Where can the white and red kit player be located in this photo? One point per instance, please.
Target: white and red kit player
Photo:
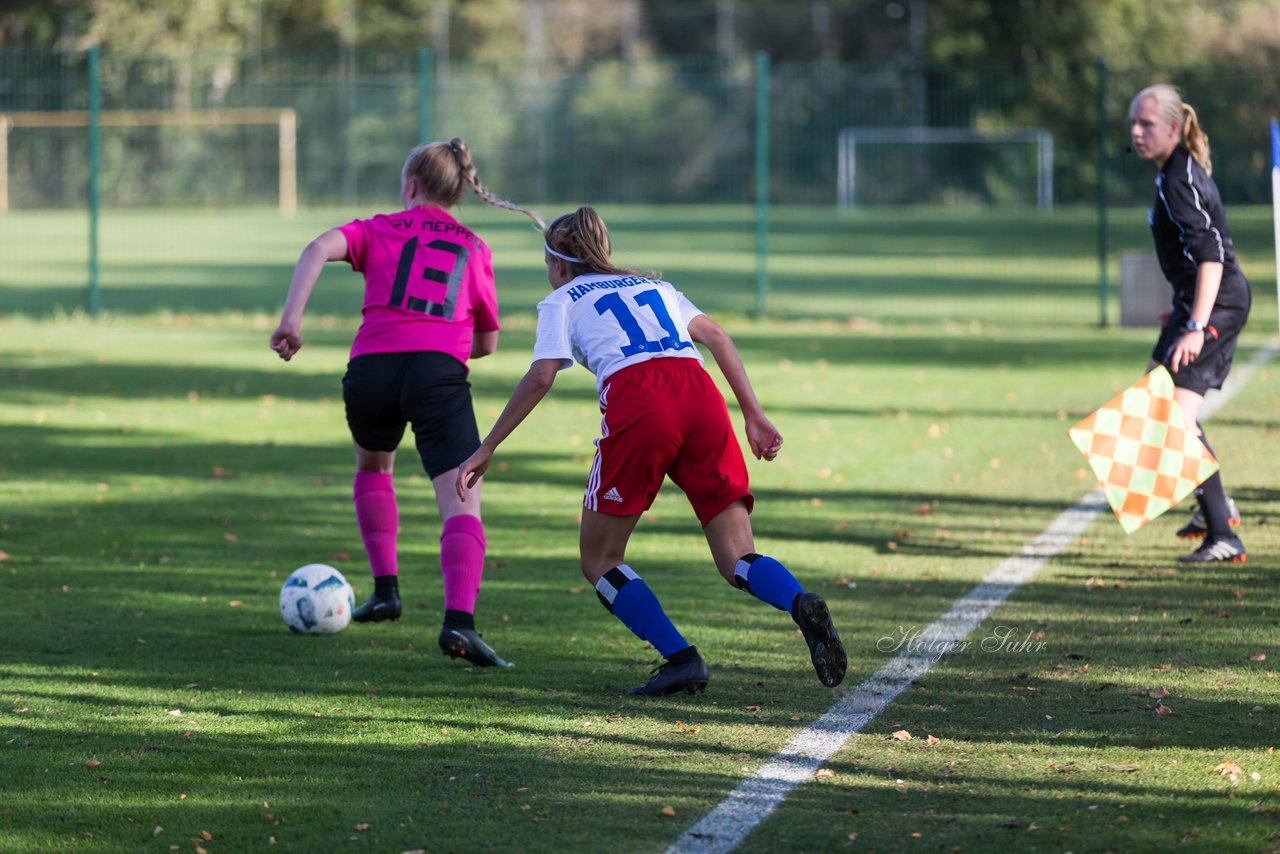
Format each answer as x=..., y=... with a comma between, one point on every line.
x=662, y=416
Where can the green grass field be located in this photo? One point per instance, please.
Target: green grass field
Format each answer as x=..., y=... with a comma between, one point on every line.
x=930, y=265
x=162, y=472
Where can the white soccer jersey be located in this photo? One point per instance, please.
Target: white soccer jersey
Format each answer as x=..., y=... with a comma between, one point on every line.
x=608, y=322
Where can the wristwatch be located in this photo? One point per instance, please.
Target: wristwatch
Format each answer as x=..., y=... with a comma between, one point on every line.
x=1195, y=326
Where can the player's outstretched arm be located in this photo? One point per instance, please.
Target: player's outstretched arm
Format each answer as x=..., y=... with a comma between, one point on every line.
x=762, y=436
x=330, y=246
x=528, y=393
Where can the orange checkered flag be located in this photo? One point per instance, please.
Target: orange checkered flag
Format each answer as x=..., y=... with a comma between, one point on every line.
x=1138, y=446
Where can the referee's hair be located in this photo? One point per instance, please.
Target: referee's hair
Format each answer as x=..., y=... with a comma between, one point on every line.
x=1173, y=109
x=584, y=236
x=444, y=171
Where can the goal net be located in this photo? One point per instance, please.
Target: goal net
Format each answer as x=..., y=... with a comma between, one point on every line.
x=172, y=156
x=939, y=165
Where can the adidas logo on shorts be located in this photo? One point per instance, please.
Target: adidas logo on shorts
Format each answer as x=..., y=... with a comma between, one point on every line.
x=612, y=494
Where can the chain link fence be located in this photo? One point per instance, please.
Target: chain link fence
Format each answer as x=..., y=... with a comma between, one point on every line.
x=949, y=192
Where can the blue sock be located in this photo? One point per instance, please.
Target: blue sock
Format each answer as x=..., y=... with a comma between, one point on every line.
x=767, y=580
x=625, y=595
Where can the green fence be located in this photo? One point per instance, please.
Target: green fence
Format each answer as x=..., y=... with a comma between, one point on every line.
x=992, y=191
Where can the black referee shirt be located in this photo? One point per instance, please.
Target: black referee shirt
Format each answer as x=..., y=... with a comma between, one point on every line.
x=1189, y=228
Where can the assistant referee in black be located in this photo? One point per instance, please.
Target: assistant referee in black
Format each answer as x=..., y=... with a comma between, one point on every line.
x=1210, y=294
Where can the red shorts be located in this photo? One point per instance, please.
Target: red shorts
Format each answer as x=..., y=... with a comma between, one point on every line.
x=665, y=417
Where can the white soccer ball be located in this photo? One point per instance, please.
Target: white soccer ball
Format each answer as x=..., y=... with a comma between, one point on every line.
x=316, y=600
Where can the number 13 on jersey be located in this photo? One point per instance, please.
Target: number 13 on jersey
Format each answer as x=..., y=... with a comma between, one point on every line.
x=451, y=279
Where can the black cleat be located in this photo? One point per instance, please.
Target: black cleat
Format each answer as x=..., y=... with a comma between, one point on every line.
x=825, y=647
x=668, y=678
x=1197, y=527
x=1230, y=549
x=466, y=643
x=377, y=608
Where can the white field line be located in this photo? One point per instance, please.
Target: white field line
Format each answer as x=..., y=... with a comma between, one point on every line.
x=722, y=829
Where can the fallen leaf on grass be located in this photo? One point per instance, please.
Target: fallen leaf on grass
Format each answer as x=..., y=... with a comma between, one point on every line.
x=1064, y=767
x=1159, y=693
x=932, y=740
x=823, y=773
x=1162, y=709
x=1122, y=768
x=1258, y=656
x=205, y=835
x=92, y=763
x=364, y=825
x=901, y=735
x=668, y=810
x=1229, y=769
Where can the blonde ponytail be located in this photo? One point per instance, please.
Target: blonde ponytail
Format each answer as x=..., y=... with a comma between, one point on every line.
x=1195, y=139
x=463, y=155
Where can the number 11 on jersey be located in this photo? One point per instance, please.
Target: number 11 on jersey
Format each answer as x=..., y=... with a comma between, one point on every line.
x=636, y=341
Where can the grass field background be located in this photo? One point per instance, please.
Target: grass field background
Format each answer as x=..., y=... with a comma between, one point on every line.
x=163, y=471
x=897, y=265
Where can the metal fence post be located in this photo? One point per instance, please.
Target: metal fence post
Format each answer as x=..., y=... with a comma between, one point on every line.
x=95, y=169
x=1102, y=191
x=762, y=181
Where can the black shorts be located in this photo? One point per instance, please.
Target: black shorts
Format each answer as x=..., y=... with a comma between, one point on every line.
x=385, y=391
x=1210, y=368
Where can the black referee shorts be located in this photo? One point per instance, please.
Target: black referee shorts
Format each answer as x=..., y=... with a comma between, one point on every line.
x=1210, y=368
x=385, y=391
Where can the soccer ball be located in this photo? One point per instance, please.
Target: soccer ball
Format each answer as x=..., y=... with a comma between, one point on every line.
x=316, y=600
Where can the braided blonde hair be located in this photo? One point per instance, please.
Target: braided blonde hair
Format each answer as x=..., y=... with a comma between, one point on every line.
x=444, y=171
x=1171, y=108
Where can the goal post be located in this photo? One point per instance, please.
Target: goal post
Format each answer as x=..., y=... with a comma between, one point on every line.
x=285, y=119
x=850, y=138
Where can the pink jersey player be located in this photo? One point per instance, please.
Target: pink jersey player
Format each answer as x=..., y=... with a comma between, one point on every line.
x=428, y=283
x=662, y=416
x=429, y=306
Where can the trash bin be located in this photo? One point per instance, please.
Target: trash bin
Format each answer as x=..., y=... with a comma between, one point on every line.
x=1144, y=293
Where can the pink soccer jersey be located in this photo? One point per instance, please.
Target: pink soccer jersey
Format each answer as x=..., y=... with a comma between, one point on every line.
x=428, y=283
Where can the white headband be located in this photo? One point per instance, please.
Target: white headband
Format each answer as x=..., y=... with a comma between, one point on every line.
x=561, y=256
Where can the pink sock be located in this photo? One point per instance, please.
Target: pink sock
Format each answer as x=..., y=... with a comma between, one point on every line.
x=462, y=545
x=378, y=516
